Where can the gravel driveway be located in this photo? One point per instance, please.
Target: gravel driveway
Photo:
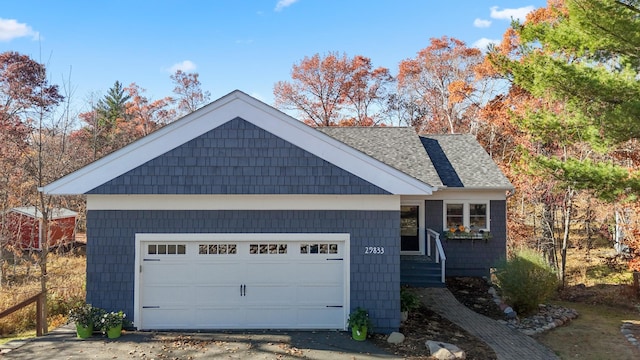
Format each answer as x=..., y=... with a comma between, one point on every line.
x=322, y=345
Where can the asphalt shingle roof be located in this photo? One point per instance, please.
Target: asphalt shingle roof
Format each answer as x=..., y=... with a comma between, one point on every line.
x=462, y=162
x=398, y=147
x=456, y=161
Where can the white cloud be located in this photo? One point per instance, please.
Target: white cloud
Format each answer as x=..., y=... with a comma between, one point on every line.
x=508, y=14
x=481, y=23
x=483, y=43
x=185, y=66
x=283, y=4
x=11, y=29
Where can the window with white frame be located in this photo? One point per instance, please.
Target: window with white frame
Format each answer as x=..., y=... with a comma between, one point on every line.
x=470, y=214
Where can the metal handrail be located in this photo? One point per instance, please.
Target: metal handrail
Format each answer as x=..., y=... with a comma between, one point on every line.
x=440, y=255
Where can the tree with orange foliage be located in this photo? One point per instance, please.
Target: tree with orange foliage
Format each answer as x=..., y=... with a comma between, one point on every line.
x=144, y=115
x=122, y=116
x=333, y=89
x=189, y=91
x=445, y=86
x=367, y=89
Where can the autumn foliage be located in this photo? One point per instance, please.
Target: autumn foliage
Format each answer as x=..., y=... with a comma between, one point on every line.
x=445, y=81
x=334, y=90
x=555, y=104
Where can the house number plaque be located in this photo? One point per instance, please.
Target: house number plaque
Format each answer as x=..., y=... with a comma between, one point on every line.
x=374, y=250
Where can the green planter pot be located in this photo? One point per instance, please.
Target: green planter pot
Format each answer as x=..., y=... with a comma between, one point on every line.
x=84, y=332
x=114, y=332
x=359, y=334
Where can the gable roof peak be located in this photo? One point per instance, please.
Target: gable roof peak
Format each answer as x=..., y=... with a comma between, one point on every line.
x=237, y=104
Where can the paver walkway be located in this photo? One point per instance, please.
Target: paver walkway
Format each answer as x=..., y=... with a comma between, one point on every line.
x=508, y=344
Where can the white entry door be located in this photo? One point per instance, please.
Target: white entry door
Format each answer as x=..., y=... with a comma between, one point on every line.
x=242, y=281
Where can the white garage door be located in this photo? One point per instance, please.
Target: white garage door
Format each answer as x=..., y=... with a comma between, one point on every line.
x=242, y=281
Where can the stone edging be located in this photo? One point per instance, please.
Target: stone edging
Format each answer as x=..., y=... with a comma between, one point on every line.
x=630, y=331
x=547, y=318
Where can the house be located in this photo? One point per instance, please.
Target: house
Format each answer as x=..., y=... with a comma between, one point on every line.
x=25, y=227
x=238, y=216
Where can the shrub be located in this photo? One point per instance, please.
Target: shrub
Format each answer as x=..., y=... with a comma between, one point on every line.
x=526, y=280
x=408, y=300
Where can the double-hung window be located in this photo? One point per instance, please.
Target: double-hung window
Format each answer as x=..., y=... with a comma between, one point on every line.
x=470, y=214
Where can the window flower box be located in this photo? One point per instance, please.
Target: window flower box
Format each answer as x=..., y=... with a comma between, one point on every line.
x=467, y=234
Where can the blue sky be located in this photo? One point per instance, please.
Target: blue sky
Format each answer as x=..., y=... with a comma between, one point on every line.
x=247, y=45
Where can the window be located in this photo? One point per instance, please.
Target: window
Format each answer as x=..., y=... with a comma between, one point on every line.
x=166, y=249
x=471, y=215
x=455, y=215
x=266, y=248
x=217, y=249
x=478, y=216
x=318, y=248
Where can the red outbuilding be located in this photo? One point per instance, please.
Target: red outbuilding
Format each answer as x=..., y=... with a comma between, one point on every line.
x=25, y=225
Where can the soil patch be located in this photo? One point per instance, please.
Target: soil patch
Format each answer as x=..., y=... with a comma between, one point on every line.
x=424, y=324
x=474, y=294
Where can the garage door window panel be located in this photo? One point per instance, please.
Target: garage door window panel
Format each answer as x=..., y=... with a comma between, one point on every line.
x=318, y=249
x=268, y=249
x=217, y=249
x=166, y=249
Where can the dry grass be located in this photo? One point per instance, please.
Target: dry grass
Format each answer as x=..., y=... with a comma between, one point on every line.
x=599, y=286
x=594, y=335
x=66, y=285
x=599, y=278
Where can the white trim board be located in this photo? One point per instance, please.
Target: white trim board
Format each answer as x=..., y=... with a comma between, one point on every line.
x=234, y=105
x=243, y=202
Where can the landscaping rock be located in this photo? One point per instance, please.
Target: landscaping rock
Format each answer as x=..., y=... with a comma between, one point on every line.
x=395, y=338
x=444, y=351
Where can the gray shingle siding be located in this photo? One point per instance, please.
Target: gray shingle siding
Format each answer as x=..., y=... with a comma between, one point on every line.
x=471, y=257
x=375, y=279
x=237, y=158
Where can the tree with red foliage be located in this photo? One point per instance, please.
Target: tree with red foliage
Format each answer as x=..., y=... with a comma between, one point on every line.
x=333, y=89
x=24, y=91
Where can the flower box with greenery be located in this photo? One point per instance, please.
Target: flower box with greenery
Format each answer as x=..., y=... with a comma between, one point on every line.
x=85, y=317
x=463, y=233
x=359, y=323
x=111, y=323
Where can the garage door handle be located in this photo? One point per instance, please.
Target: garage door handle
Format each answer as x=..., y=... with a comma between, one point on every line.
x=244, y=289
x=241, y=294
x=334, y=306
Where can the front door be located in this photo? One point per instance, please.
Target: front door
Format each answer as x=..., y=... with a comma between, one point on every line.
x=409, y=229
